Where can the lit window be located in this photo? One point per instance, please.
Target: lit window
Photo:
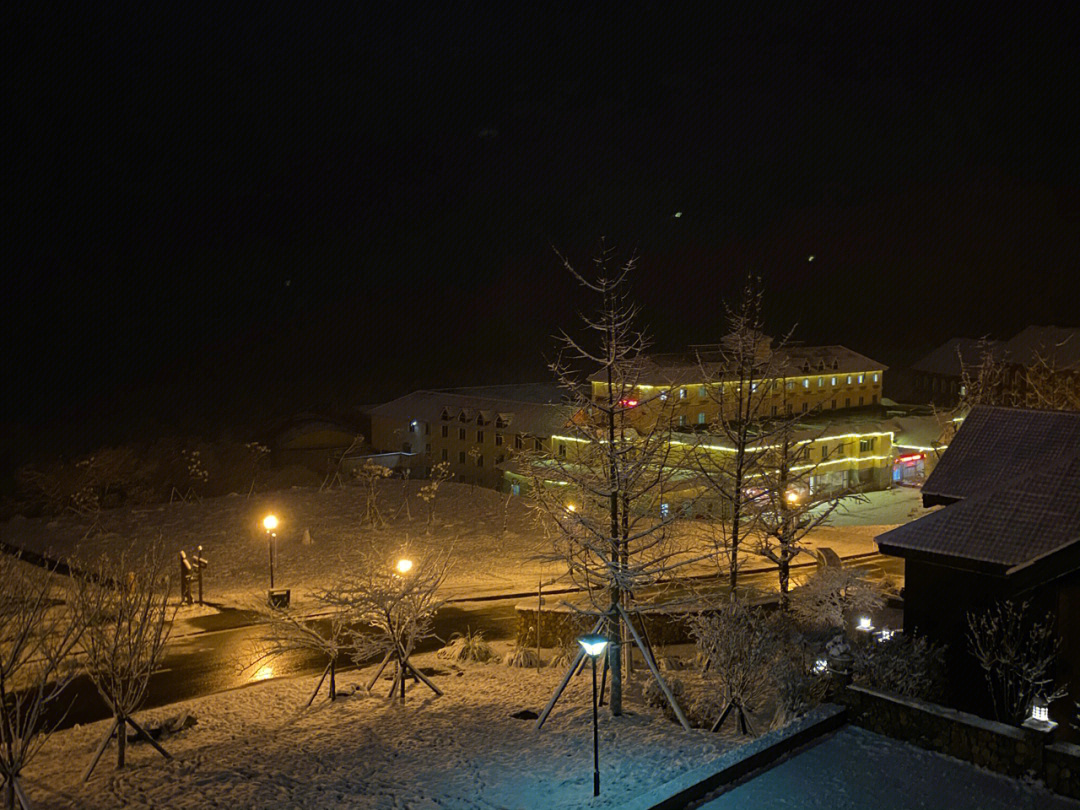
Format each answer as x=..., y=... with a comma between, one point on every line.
x=875, y=377
x=682, y=419
x=682, y=393
x=753, y=387
x=820, y=382
x=701, y=418
x=663, y=396
x=806, y=382
x=849, y=379
x=861, y=377
x=701, y=392
x=834, y=381
x=790, y=385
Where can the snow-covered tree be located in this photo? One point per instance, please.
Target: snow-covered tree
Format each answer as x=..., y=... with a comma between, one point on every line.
x=286, y=630
x=740, y=373
x=785, y=508
x=37, y=635
x=122, y=606
x=371, y=476
x=736, y=642
x=439, y=474
x=602, y=485
x=393, y=597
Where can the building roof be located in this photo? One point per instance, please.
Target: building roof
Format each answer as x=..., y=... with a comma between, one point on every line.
x=995, y=445
x=543, y=393
x=531, y=418
x=1009, y=527
x=685, y=368
x=1058, y=346
x=946, y=359
x=922, y=432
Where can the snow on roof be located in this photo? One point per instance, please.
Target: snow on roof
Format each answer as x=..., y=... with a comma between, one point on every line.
x=428, y=406
x=1057, y=345
x=684, y=368
x=946, y=359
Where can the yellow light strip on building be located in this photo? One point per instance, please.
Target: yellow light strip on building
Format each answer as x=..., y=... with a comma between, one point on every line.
x=733, y=383
x=922, y=449
x=799, y=443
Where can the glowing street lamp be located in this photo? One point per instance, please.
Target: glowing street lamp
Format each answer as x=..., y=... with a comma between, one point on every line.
x=594, y=646
x=792, y=497
x=404, y=566
x=270, y=523
x=1039, y=719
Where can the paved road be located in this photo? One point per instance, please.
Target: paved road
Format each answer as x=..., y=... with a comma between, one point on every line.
x=216, y=659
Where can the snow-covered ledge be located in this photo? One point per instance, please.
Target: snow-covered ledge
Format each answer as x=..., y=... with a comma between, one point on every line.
x=755, y=754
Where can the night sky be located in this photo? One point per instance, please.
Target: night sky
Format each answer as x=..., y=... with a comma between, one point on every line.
x=228, y=216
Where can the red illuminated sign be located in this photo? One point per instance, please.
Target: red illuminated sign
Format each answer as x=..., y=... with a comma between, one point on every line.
x=628, y=403
x=910, y=459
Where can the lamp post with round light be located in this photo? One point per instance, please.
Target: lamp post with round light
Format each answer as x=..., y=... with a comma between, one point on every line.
x=594, y=646
x=270, y=523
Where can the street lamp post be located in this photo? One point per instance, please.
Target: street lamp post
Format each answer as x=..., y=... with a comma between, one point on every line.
x=270, y=523
x=594, y=646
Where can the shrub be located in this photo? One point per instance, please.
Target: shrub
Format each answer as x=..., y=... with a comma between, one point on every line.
x=909, y=666
x=468, y=647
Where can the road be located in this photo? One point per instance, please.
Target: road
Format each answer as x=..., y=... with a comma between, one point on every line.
x=216, y=658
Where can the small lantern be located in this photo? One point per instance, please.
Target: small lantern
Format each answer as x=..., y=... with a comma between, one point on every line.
x=821, y=666
x=865, y=625
x=1039, y=719
x=885, y=634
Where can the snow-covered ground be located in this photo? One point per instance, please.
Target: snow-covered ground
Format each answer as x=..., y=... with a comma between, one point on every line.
x=855, y=769
x=495, y=538
x=887, y=507
x=255, y=747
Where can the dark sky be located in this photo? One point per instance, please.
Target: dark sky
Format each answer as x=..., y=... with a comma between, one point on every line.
x=223, y=216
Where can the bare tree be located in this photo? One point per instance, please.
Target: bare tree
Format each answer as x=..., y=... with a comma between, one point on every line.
x=785, y=506
x=394, y=598
x=738, y=648
x=37, y=635
x=122, y=604
x=1017, y=655
x=740, y=374
x=1040, y=381
x=603, y=487
x=287, y=631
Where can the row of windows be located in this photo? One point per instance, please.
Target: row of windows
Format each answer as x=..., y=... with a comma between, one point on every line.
x=463, y=458
x=852, y=379
x=702, y=418
x=519, y=442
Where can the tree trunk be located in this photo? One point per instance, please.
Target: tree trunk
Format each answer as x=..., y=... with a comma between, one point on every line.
x=121, y=743
x=785, y=579
x=333, y=689
x=9, y=793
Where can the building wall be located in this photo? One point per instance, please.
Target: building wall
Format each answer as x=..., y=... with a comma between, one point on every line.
x=697, y=404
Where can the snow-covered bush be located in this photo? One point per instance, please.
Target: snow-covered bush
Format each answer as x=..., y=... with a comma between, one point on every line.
x=654, y=697
x=468, y=646
x=522, y=657
x=832, y=596
x=910, y=666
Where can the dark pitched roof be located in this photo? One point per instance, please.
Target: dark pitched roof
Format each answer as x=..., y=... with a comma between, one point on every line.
x=945, y=360
x=997, y=445
x=1060, y=347
x=1016, y=524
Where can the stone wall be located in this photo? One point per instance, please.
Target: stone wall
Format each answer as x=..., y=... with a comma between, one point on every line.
x=999, y=747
